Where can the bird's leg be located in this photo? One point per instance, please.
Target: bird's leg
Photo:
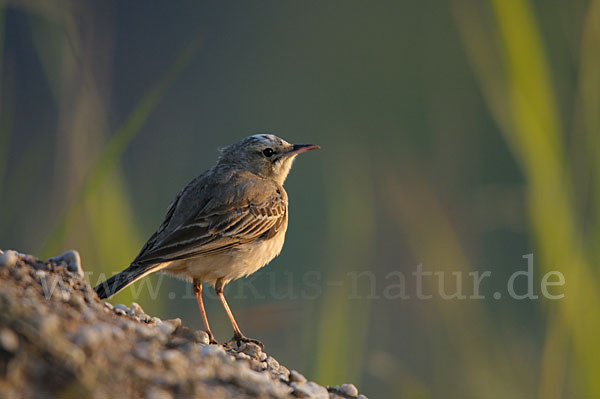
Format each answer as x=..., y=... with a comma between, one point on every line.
x=237, y=333
x=198, y=293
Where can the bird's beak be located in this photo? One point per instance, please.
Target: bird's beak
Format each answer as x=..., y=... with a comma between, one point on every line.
x=300, y=148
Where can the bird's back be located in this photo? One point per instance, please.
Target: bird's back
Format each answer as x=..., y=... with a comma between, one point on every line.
x=219, y=210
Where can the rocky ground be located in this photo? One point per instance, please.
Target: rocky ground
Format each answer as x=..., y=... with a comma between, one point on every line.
x=57, y=339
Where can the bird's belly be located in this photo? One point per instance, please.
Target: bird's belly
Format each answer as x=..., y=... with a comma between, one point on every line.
x=229, y=265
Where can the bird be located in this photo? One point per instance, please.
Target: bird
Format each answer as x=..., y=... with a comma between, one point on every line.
x=223, y=225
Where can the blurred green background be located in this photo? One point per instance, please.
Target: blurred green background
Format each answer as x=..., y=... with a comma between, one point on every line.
x=458, y=135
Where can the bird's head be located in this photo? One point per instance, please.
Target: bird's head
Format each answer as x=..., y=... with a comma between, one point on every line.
x=265, y=155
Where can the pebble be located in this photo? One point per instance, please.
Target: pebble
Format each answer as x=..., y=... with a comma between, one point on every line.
x=117, y=333
x=48, y=324
x=349, y=389
x=201, y=337
x=284, y=373
x=29, y=259
x=72, y=259
x=273, y=364
x=251, y=350
x=145, y=351
x=309, y=390
x=173, y=357
x=121, y=309
x=295, y=376
x=88, y=315
x=157, y=393
x=8, y=258
x=214, y=350
x=257, y=365
x=251, y=380
x=77, y=302
x=40, y=274
x=9, y=341
x=242, y=356
x=88, y=338
x=168, y=327
x=136, y=309
x=126, y=325
x=144, y=331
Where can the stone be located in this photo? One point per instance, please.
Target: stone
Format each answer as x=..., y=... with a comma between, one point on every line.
x=349, y=389
x=284, y=373
x=88, y=338
x=145, y=351
x=136, y=309
x=214, y=350
x=158, y=393
x=272, y=364
x=243, y=356
x=8, y=258
x=9, y=341
x=251, y=350
x=40, y=274
x=126, y=325
x=201, y=337
x=168, y=327
x=121, y=309
x=258, y=365
x=77, y=302
x=144, y=331
x=72, y=259
x=173, y=358
x=309, y=390
x=295, y=376
x=49, y=324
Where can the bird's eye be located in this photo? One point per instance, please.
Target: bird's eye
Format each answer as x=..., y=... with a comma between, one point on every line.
x=268, y=152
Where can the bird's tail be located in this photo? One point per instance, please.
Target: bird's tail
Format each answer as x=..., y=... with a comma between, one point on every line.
x=119, y=281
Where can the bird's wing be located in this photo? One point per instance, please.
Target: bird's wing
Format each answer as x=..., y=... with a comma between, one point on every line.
x=246, y=215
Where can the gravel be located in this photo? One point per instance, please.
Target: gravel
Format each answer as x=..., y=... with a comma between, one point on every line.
x=57, y=337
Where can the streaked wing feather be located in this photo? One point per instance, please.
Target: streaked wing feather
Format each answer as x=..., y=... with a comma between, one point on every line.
x=219, y=230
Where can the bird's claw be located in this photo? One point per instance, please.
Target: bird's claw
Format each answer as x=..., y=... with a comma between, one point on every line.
x=239, y=339
x=211, y=339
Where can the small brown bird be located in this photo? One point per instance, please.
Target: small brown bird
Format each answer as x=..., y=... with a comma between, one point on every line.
x=225, y=224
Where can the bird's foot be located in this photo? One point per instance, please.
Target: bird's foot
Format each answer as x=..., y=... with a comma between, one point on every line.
x=211, y=339
x=205, y=337
x=238, y=339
